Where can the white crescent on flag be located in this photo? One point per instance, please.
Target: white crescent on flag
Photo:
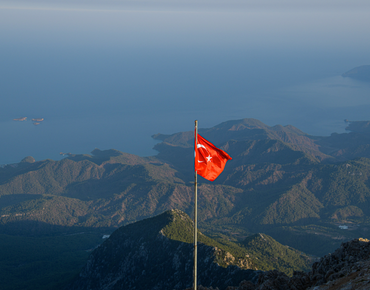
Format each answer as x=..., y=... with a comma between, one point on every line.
x=200, y=146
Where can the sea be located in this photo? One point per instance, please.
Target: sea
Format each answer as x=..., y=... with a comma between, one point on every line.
x=110, y=74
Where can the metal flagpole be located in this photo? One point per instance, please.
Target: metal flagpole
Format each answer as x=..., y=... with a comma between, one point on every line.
x=195, y=211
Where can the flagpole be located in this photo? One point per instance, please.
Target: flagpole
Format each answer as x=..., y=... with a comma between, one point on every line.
x=195, y=211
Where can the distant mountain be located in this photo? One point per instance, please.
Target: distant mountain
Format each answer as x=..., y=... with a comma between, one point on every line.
x=361, y=73
x=157, y=253
x=240, y=130
x=176, y=148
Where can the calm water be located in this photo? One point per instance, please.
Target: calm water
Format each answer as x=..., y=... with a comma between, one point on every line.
x=111, y=76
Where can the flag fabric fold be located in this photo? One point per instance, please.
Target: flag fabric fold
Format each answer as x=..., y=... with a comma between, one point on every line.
x=209, y=160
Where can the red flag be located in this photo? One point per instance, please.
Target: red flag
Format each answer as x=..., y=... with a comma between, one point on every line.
x=209, y=160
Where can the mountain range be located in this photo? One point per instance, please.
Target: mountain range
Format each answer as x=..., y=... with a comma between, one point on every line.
x=308, y=192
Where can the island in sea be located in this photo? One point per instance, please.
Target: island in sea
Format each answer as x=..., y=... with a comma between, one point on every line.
x=36, y=121
x=361, y=73
x=20, y=119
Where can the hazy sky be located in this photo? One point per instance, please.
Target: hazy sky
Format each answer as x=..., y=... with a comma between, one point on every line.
x=100, y=70
x=193, y=24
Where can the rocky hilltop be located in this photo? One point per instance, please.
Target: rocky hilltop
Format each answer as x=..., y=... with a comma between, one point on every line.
x=347, y=268
x=156, y=254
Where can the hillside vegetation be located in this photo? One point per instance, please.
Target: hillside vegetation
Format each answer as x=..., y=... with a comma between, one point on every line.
x=157, y=253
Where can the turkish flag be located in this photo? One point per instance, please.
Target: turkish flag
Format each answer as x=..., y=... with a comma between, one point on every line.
x=209, y=160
